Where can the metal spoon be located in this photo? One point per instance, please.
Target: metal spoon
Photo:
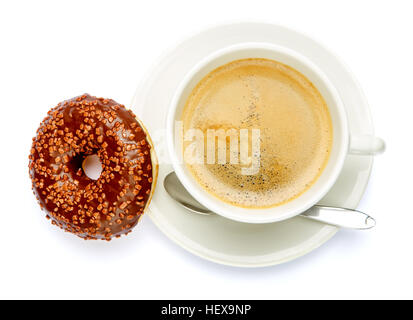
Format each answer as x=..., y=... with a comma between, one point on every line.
x=340, y=217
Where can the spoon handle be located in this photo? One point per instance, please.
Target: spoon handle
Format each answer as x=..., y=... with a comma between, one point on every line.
x=345, y=218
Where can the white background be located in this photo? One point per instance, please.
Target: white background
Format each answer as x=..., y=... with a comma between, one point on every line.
x=51, y=51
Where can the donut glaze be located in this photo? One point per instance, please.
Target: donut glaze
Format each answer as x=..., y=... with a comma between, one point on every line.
x=92, y=209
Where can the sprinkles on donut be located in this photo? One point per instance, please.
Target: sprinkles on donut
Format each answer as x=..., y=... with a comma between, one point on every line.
x=93, y=209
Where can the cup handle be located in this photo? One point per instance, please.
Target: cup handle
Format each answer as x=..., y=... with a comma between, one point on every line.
x=366, y=145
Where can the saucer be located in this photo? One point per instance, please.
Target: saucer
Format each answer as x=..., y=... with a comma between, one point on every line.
x=225, y=241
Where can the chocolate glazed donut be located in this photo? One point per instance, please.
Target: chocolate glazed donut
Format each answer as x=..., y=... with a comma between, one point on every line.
x=93, y=209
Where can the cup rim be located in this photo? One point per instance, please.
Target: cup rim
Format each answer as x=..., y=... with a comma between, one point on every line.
x=201, y=196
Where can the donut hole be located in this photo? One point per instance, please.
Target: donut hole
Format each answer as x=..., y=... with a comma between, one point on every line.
x=92, y=167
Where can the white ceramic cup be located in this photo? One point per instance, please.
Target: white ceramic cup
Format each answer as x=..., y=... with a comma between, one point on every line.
x=343, y=143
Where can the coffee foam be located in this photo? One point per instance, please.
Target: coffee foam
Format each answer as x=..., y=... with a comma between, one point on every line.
x=295, y=124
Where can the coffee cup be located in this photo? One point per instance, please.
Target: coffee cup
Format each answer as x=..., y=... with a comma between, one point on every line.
x=343, y=143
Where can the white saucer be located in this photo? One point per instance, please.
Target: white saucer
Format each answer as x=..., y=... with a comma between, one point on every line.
x=213, y=237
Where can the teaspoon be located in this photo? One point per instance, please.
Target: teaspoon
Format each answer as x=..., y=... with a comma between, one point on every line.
x=340, y=217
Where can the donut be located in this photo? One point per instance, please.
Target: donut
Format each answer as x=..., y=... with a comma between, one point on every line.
x=93, y=209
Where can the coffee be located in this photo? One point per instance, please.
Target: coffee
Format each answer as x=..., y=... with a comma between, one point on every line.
x=294, y=123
